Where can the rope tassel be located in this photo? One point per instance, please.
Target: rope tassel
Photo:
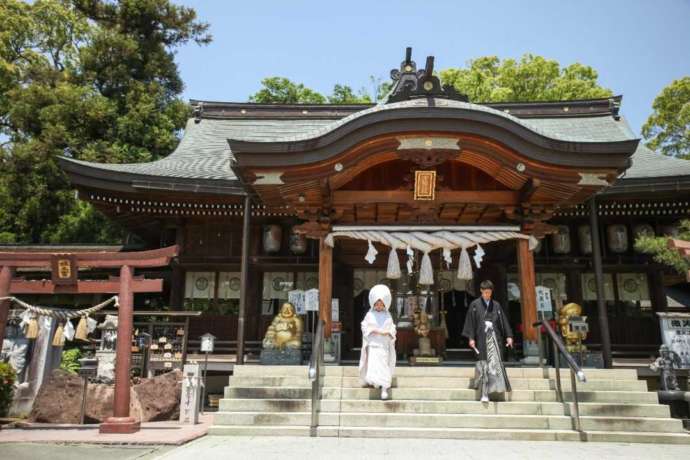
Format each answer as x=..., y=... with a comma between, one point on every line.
x=426, y=271
x=82, y=331
x=32, y=328
x=465, y=266
x=393, y=270
x=59, y=337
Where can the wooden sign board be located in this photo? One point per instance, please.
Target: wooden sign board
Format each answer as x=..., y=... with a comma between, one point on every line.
x=63, y=269
x=424, y=185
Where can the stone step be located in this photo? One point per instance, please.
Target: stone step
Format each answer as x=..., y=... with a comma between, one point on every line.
x=520, y=383
x=468, y=394
x=454, y=433
x=436, y=394
x=393, y=420
x=513, y=372
x=445, y=407
x=467, y=371
x=665, y=425
x=513, y=435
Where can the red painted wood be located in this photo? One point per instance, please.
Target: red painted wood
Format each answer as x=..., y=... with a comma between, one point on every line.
x=83, y=287
x=121, y=422
x=140, y=259
x=5, y=282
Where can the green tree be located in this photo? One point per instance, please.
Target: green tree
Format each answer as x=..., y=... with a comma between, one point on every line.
x=532, y=78
x=90, y=79
x=658, y=247
x=343, y=94
x=668, y=128
x=280, y=90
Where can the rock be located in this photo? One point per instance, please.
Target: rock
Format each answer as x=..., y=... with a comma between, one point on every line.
x=159, y=397
x=59, y=399
x=287, y=356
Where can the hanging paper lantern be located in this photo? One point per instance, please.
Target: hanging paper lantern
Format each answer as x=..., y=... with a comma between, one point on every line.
x=273, y=234
x=297, y=243
x=560, y=241
x=584, y=235
x=617, y=236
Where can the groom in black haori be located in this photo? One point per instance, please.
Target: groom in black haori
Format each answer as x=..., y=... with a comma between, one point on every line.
x=486, y=326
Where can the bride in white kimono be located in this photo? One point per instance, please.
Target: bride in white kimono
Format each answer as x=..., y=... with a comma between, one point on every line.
x=377, y=361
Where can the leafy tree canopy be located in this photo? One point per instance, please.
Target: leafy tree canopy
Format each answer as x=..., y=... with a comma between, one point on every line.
x=658, y=247
x=532, y=78
x=668, y=128
x=91, y=79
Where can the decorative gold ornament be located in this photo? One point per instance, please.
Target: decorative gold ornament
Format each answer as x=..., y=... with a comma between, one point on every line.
x=285, y=330
x=568, y=315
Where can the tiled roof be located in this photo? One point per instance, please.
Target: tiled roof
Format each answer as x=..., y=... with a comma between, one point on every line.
x=204, y=153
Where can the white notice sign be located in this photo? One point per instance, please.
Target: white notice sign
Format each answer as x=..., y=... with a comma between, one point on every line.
x=311, y=300
x=544, y=299
x=335, y=310
x=296, y=298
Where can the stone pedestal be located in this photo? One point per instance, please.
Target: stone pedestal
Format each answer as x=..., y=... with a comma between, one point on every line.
x=106, y=365
x=531, y=353
x=191, y=393
x=287, y=356
x=119, y=425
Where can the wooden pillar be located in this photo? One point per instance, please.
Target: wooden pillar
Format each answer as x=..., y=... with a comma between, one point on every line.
x=244, y=279
x=528, y=294
x=121, y=422
x=599, y=281
x=5, y=281
x=325, y=284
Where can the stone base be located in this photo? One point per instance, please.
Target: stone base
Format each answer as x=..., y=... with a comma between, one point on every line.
x=530, y=350
x=119, y=425
x=425, y=360
x=589, y=359
x=285, y=357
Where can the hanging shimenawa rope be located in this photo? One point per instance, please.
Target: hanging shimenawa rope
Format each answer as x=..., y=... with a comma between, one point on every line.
x=62, y=316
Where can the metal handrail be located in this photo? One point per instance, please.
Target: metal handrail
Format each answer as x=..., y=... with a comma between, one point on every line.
x=315, y=375
x=576, y=372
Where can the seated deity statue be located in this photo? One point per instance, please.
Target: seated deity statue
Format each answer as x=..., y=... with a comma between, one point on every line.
x=285, y=330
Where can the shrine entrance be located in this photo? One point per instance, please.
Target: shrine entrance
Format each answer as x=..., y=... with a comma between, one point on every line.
x=395, y=177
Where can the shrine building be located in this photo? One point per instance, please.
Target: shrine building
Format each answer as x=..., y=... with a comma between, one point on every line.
x=268, y=199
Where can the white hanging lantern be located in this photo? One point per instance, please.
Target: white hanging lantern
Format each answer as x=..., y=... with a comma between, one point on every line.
x=584, y=235
x=617, y=235
x=560, y=241
x=273, y=234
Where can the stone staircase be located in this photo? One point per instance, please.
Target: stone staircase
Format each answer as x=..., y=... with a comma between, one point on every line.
x=428, y=402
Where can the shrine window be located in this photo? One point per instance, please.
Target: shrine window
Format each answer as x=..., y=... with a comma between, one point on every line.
x=214, y=293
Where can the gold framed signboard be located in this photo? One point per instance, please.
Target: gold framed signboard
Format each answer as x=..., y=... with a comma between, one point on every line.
x=63, y=269
x=424, y=185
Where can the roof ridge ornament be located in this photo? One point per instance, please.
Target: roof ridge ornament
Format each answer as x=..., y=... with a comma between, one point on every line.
x=410, y=83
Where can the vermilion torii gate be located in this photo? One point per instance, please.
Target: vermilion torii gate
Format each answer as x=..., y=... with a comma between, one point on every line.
x=64, y=268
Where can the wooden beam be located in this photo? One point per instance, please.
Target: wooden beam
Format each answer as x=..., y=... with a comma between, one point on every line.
x=325, y=285
x=5, y=286
x=111, y=286
x=528, y=294
x=529, y=189
x=139, y=259
x=349, y=198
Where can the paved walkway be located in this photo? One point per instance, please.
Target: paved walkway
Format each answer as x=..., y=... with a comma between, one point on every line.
x=288, y=448
x=151, y=433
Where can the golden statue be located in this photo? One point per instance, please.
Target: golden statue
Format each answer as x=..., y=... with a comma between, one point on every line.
x=422, y=329
x=573, y=339
x=285, y=330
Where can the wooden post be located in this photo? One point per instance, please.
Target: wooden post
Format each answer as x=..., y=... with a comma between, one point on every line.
x=325, y=284
x=121, y=422
x=244, y=279
x=528, y=294
x=5, y=282
x=599, y=281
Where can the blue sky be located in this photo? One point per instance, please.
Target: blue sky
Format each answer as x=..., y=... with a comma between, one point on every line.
x=637, y=46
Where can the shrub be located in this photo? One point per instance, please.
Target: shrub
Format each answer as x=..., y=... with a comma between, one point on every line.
x=70, y=360
x=7, y=378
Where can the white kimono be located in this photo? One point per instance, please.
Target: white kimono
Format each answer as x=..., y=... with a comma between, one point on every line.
x=377, y=361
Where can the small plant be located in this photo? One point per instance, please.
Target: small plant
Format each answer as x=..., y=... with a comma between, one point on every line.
x=70, y=360
x=7, y=378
